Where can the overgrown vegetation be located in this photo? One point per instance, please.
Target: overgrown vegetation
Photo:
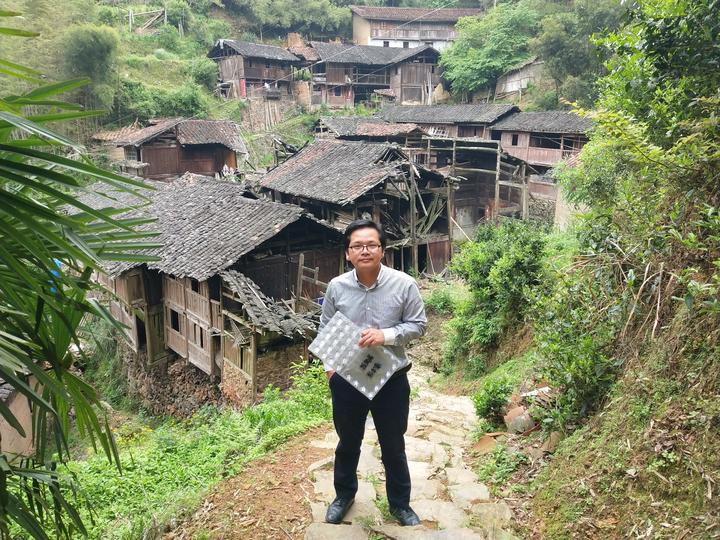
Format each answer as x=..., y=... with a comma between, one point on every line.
x=168, y=469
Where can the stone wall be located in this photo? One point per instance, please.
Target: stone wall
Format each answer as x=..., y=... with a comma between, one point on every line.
x=542, y=209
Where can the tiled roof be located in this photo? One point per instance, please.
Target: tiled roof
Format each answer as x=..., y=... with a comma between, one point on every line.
x=205, y=225
x=122, y=133
x=222, y=132
x=413, y=14
x=370, y=55
x=350, y=126
x=254, y=50
x=157, y=126
x=334, y=170
x=264, y=312
x=475, y=113
x=544, y=122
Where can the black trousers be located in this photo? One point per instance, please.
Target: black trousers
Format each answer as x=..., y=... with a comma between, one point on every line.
x=390, y=414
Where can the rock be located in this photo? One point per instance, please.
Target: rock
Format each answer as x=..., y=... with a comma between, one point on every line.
x=324, y=486
x=444, y=513
x=465, y=495
x=459, y=475
x=327, y=531
x=485, y=445
x=318, y=510
x=418, y=449
x=396, y=532
x=368, y=464
x=425, y=489
x=362, y=513
x=419, y=470
x=518, y=420
x=325, y=463
x=492, y=513
x=365, y=493
x=551, y=443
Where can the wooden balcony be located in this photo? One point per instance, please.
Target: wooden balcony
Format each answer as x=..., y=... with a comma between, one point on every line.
x=539, y=156
x=424, y=34
x=198, y=306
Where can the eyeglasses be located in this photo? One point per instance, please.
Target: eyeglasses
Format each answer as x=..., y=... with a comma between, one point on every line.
x=358, y=248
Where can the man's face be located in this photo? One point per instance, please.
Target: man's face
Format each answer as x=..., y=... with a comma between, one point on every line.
x=368, y=257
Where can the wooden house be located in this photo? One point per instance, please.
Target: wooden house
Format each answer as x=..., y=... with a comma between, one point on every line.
x=253, y=69
x=472, y=120
x=515, y=80
x=406, y=27
x=340, y=180
x=542, y=138
x=169, y=147
x=345, y=75
x=13, y=445
x=491, y=182
x=369, y=128
x=219, y=293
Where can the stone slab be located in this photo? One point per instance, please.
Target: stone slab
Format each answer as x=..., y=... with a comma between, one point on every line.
x=362, y=513
x=365, y=493
x=467, y=494
x=444, y=513
x=425, y=489
x=327, y=531
x=318, y=510
x=497, y=513
x=324, y=486
x=324, y=464
x=369, y=463
x=460, y=475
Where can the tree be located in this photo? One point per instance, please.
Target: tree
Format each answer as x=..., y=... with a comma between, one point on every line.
x=50, y=243
x=487, y=46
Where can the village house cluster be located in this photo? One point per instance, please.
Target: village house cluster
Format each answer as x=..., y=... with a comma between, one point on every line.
x=236, y=286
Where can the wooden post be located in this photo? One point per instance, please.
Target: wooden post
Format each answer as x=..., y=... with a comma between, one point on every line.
x=298, y=282
x=497, y=183
x=526, y=193
x=253, y=360
x=413, y=221
x=450, y=209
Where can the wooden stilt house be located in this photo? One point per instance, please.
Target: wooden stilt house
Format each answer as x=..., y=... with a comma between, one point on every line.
x=220, y=294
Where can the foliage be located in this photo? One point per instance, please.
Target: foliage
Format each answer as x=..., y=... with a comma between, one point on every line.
x=47, y=256
x=565, y=44
x=203, y=71
x=499, y=465
x=305, y=16
x=440, y=301
x=487, y=46
x=136, y=100
x=167, y=470
x=501, y=267
x=491, y=398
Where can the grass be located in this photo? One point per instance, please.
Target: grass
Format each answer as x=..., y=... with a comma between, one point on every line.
x=167, y=470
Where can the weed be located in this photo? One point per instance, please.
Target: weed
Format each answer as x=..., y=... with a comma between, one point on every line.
x=383, y=505
x=498, y=466
x=491, y=398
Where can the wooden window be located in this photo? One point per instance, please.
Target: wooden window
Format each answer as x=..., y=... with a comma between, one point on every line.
x=514, y=139
x=406, y=44
x=174, y=320
x=267, y=64
x=545, y=140
x=386, y=43
x=194, y=285
x=338, y=91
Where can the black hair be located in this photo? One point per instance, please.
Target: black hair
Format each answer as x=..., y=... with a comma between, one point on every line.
x=364, y=224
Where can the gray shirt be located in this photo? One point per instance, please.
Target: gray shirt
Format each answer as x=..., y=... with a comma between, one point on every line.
x=393, y=304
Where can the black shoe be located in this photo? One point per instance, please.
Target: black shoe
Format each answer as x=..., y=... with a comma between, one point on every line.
x=337, y=510
x=406, y=516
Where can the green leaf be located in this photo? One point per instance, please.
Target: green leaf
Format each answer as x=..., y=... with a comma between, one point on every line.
x=17, y=32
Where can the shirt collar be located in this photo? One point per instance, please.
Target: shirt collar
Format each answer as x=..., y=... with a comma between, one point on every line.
x=378, y=282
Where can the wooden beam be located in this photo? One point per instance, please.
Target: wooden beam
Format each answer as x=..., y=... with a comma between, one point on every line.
x=497, y=186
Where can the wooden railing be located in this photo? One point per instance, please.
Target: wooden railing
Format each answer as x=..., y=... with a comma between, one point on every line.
x=176, y=342
x=410, y=33
x=198, y=305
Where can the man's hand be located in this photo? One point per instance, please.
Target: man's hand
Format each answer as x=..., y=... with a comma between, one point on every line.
x=371, y=337
x=329, y=374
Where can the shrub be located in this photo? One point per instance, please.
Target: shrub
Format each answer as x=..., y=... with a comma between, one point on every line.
x=440, y=301
x=491, y=398
x=497, y=467
x=90, y=51
x=202, y=71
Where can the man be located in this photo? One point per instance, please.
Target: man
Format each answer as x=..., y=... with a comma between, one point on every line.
x=387, y=305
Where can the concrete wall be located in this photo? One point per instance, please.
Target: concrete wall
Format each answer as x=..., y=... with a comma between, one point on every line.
x=361, y=31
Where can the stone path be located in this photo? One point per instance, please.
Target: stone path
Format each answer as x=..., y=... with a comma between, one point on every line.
x=451, y=502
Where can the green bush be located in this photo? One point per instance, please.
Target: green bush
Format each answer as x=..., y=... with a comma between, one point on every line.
x=135, y=99
x=503, y=267
x=491, y=398
x=440, y=301
x=203, y=71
